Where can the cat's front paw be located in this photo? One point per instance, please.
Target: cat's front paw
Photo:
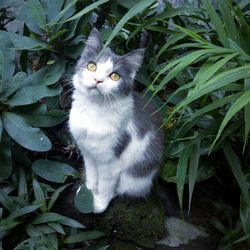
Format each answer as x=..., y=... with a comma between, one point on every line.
x=99, y=204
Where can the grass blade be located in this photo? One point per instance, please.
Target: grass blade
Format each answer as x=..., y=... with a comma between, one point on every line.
x=138, y=8
x=181, y=174
x=240, y=103
x=87, y=9
x=246, y=114
x=193, y=170
x=39, y=195
x=215, y=19
x=236, y=168
x=91, y=235
x=213, y=84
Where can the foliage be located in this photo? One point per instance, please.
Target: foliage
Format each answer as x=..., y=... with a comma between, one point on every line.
x=197, y=62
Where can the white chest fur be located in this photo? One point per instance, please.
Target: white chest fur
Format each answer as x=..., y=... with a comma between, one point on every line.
x=95, y=126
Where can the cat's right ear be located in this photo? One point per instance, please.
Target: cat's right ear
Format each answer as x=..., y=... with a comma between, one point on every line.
x=94, y=42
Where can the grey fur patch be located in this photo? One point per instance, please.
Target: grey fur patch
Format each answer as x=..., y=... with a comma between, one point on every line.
x=122, y=142
x=151, y=159
x=143, y=115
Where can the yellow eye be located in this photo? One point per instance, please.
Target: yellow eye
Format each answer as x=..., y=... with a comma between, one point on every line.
x=91, y=66
x=114, y=76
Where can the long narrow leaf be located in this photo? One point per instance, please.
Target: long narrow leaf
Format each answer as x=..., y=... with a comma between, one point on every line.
x=246, y=114
x=235, y=108
x=138, y=7
x=39, y=195
x=181, y=174
x=236, y=168
x=193, y=170
x=217, y=82
x=217, y=23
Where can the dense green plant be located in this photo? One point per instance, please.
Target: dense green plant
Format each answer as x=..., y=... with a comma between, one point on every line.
x=197, y=61
x=209, y=110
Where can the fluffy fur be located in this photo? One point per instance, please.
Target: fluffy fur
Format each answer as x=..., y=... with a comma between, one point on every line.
x=117, y=135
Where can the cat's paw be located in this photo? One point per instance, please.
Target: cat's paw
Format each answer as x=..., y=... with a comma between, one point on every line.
x=99, y=204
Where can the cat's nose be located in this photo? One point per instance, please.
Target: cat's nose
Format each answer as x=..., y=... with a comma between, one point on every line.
x=98, y=80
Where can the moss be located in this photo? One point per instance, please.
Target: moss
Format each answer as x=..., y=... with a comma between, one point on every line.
x=140, y=221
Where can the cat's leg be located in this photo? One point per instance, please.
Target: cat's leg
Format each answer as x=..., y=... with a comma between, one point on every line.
x=108, y=178
x=91, y=174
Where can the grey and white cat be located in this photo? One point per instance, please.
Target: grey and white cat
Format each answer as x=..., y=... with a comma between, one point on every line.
x=117, y=135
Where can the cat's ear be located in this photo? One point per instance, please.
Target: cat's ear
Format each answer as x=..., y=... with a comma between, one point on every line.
x=94, y=41
x=135, y=59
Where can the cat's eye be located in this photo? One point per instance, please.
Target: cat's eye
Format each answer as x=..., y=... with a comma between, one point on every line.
x=114, y=76
x=91, y=66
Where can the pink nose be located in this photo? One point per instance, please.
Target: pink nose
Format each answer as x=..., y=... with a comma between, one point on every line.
x=98, y=81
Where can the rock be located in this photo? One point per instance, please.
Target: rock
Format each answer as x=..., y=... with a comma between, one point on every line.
x=140, y=221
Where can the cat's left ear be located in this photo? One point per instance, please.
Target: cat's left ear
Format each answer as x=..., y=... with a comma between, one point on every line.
x=135, y=59
x=94, y=41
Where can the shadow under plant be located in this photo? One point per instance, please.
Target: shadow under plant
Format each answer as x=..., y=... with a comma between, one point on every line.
x=197, y=67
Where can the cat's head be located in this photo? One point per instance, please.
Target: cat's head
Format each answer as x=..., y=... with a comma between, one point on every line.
x=104, y=73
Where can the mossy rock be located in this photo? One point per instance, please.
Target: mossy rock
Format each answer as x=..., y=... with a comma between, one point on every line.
x=139, y=220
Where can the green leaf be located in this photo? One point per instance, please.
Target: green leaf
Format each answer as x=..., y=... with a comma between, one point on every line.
x=27, y=136
x=209, y=69
x=54, y=171
x=16, y=83
x=39, y=195
x=246, y=114
x=84, y=200
x=55, y=195
x=57, y=227
x=90, y=235
x=87, y=9
x=29, y=94
x=236, y=168
x=228, y=20
x=137, y=8
x=240, y=103
x=181, y=174
x=7, y=66
x=245, y=214
x=22, y=42
x=5, y=157
x=193, y=170
x=216, y=21
x=22, y=185
x=217, y=82
x=38, y=115
x=23, y=211
x=36, y=12
x=54, y=217
x=1, y=129
x=182, y=63
x=6, y=201
x=213, y=106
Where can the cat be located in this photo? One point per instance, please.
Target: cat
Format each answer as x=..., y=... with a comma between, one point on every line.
x=115, y=131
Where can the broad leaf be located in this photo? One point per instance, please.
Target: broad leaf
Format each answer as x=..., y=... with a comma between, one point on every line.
x=27, y=136
x=36, y=12
x=22, y=42
x=84, y=200
x=54, y=171
x=37, y=115
x=16, y=83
